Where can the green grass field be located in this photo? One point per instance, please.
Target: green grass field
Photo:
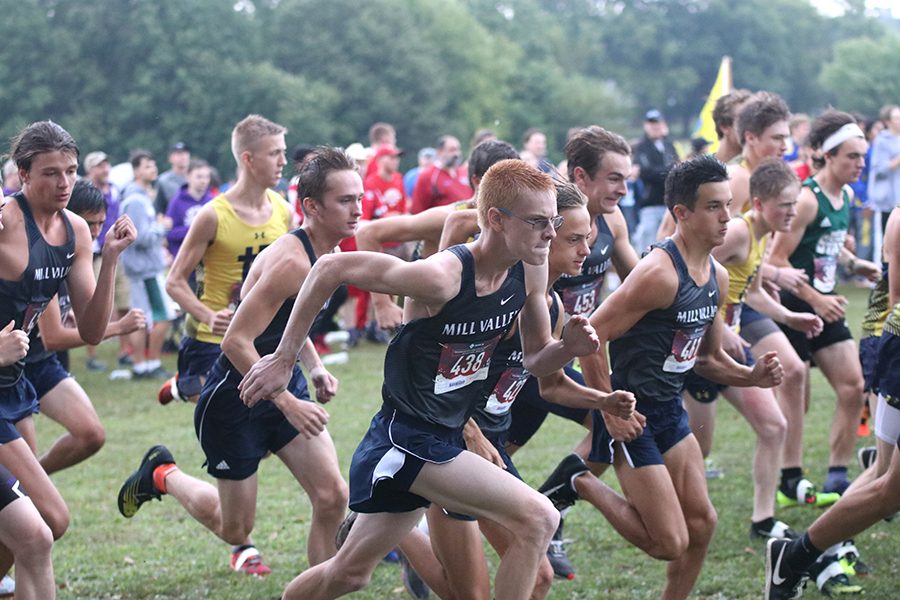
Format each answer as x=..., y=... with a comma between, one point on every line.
x=162, y=553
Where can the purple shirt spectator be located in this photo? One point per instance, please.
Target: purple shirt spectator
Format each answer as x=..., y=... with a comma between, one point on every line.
x=182, y=210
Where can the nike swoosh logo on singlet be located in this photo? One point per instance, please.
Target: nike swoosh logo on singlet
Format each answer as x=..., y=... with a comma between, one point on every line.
x=711, y=292
x=502, y=302
x=604, y=249
x=68, y=256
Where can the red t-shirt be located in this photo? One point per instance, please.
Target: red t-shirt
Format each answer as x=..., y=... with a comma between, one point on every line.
x=384, y=197
x=437, y=187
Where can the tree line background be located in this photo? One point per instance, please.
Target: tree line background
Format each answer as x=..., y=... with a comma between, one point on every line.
x=120, y=74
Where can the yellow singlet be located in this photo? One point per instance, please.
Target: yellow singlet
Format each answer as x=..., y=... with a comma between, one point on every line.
x=740, y=277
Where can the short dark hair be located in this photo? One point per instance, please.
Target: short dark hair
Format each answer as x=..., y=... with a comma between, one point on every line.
x=771, y=177
x=568, y=195
x=442, y=141
x=485, y=154
x=86, y=199
x=587, y=147
x=312, y=178
x=530, y=132
x=821, y=129
x=759, y=113
x=39, y=138
x=724, y=112
x=481, y=135
x=139, y=155
x=685, y=178
x=379, y=130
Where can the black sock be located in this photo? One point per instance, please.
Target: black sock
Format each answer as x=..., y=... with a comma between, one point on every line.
x=789, y=478
x=764, y=525
x=801, y=554
x=834, y=469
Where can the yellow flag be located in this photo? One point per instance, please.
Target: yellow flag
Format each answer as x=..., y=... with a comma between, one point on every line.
x=705, y=127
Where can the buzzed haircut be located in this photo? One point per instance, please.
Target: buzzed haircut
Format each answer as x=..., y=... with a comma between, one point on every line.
x=39, y=138
x=380, y=133
x=247, y=134
x=587, y=147
x=139, y=155
x=86, y=199
x=771, y=178
x=486, y=154
x=442, y=141
x=312, y=178
x=685, y=179
x=761, y=111
x=507, y=181
x=821, y=129
x=725, y=111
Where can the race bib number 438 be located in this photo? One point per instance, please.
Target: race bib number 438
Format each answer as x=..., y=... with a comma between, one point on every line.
x=463, y=363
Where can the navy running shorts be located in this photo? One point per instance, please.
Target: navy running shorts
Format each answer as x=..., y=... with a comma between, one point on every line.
x=706, y=391
x=235, y=438
x=886, y=377
x=755, y=325
x=390, y=456
x=10, y=490
x=16, y=402
x=667, y=424
x=45, y=374
x=195, y=360
x=868, y=356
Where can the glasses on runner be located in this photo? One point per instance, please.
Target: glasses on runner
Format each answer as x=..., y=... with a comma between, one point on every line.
x=538, y=223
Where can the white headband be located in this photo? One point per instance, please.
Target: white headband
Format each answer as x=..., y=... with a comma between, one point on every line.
x=850, y=130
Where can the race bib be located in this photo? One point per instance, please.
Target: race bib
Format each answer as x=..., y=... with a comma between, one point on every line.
x=463, y=363
x=582, y=299
x=733, y=316
x=824, y=278
x=32, y=313
x=508, y=387
x=685, y=346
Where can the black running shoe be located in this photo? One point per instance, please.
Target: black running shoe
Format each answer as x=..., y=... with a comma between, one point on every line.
x=781, y=582
x=411, y=580
x=559, y=559
x=560, y=486
x=344, y=529
x=866, y=457
x=139, y=488
x=779, y=529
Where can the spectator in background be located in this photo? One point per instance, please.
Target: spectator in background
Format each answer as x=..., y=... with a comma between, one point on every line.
x=171, y=181
x=381, y=135
x=699, y=146
x=444, y=182
x=96, y=169
x=654, y=155
x=865, y=223
x=799, y=128
x=534, y=142
x=145, y=263
x=11, y=182
x=425, y=158
x=187, y=203
x=884, y=172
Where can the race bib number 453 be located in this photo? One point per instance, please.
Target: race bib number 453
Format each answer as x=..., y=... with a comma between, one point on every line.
x=685, y=346
x=463, y=363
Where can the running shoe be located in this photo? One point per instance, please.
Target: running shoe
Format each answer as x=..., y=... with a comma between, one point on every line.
x=248, y=560
x=831, y=579
x=866, y=457
x=560, y=486
x=781, y=582
x=806, y=495
x=139, y=488
x=168, y=391
x=779, y=529
x=344, y=529
x=92, y=364
x=559, y=559
x=411, y=580
x=851, y=563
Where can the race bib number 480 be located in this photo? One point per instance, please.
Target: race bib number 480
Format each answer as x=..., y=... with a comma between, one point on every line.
x=463, y=363
x=508, y=387
x=685, y=346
